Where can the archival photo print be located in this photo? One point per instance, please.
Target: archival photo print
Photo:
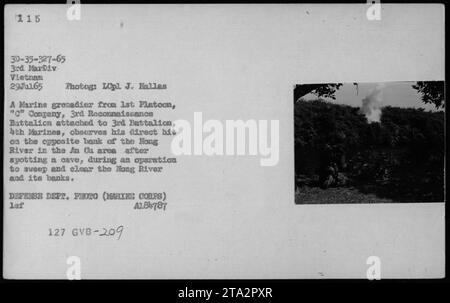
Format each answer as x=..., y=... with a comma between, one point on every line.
x=369, y=142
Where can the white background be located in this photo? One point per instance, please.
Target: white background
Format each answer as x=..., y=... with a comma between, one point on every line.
x=227, y=217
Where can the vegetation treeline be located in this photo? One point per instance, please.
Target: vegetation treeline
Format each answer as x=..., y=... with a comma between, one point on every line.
x=402, y=157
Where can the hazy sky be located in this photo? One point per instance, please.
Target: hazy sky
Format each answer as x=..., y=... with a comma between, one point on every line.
x=399, y=94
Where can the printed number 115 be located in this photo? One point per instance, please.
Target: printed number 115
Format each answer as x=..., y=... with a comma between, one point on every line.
x=28, y=18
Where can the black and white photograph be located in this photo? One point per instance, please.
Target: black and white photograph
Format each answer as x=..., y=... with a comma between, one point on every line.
x=222, y=142
x=369, y=142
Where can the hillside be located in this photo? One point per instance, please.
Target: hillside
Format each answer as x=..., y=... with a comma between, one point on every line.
x=400, y=158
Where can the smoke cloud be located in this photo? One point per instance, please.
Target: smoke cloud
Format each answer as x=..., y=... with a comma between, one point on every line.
x=371, y=104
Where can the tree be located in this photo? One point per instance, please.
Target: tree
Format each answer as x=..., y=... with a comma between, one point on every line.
x=325, y=90
x=432, y=92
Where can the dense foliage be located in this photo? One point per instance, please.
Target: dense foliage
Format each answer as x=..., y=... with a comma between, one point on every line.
x=402, y=157
x=432, y=92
